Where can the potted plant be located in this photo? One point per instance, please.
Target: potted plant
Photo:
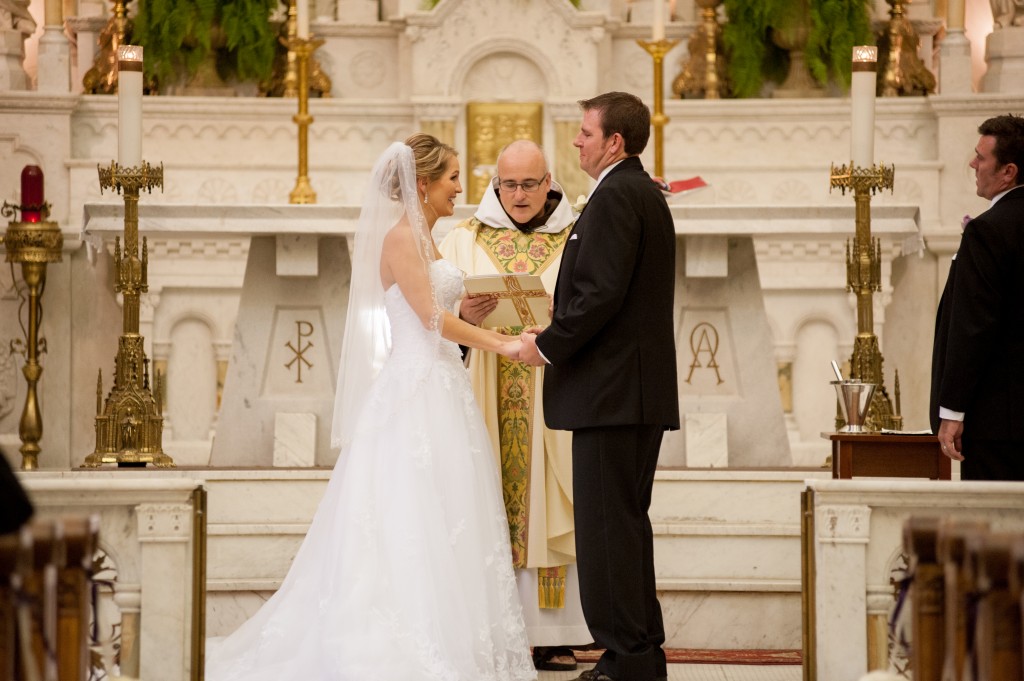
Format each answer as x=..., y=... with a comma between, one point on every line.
x=763, y=38
x=200, y=40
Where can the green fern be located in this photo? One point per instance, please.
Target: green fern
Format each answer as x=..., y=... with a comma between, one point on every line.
x=177, y=35
x=252, y=43
x=836, y=26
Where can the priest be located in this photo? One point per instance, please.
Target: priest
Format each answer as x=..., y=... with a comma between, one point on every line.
x=520, y=227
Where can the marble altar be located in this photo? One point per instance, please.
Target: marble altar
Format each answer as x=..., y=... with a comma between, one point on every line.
x=728, y=387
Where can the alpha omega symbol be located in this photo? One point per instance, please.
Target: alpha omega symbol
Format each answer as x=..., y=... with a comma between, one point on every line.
x=303, y=330
x=704, y=341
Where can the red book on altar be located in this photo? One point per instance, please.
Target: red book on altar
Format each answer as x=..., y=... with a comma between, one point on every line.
x=688, y=185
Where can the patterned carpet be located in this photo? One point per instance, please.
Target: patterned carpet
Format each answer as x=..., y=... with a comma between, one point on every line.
x=704, y=656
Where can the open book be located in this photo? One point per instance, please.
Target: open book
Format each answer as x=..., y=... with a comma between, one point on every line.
x=522, y=300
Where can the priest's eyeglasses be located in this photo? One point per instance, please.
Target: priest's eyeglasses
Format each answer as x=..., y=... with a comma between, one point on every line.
x=529, y=186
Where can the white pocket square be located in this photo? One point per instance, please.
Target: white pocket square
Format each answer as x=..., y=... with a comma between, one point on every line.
x=573, y=237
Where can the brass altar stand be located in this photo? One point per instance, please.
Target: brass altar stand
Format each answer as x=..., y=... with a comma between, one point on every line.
x=129, y=426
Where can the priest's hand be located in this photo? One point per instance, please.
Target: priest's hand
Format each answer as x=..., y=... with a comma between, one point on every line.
x=474, y=309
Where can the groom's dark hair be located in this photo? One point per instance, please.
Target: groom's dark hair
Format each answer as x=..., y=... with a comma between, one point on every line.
x=625, y=114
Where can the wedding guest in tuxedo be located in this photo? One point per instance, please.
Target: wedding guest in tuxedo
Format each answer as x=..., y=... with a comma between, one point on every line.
x=977, y=396
x=520, y=227
x=611, y=380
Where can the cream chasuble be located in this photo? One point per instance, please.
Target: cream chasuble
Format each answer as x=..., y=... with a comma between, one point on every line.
x=535, y=462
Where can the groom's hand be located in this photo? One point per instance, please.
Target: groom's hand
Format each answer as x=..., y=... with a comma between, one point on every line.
x=529, y=352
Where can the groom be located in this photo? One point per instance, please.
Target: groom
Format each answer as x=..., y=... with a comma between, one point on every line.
x=611, y=380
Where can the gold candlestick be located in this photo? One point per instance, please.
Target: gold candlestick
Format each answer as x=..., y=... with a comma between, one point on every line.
x=863, y=278
x=303, y=48
x=33, y=244
x=101, y=79
x=129, y=427
x=658, y=49
x=284, y=80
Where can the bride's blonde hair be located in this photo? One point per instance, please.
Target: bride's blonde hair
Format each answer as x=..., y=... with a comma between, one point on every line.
x=431, y=155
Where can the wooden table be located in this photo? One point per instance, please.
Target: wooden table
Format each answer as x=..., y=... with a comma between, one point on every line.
x=887, y=456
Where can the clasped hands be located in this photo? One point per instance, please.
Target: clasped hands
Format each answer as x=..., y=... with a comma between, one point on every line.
x=475, y=309
x=528, y=353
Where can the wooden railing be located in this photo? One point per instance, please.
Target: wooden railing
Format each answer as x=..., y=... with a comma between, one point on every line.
x=45, y=576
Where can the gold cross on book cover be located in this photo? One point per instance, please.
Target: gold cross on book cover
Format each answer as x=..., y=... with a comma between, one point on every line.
x=522, y=300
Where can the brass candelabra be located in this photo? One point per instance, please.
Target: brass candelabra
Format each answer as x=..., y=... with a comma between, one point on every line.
x=33, y=245
x=101, y=79
x=129, y=426
x=864, y=278
x=902, y=71
x=303, y=48
x=704, y=74
x=658, y=49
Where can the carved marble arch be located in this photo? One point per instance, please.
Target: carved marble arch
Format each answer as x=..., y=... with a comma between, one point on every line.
x=105, y=625
x=16, y=155
x=504, y=86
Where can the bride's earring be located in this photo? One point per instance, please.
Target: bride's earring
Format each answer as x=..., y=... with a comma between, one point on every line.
x=424, y=198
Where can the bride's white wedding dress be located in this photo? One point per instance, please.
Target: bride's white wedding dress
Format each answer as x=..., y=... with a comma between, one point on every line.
x=406, y=572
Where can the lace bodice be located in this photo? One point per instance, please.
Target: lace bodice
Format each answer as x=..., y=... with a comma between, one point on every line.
x=408, y=335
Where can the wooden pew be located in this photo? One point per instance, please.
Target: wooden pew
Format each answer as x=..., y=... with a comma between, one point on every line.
x=45, y=584
x=958, y=585
x=920, y=535
x=1017, y=578
x=998, y=634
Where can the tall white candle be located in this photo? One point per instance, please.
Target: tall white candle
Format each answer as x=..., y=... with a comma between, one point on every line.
x=302, y=18
x=129, y=106
x=862, y=106
x=658, y=20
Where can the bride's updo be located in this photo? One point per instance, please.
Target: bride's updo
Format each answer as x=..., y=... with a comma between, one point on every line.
x=431, y=156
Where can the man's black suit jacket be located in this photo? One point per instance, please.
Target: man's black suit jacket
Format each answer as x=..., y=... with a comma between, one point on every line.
x=978, y=354
x=611, y=344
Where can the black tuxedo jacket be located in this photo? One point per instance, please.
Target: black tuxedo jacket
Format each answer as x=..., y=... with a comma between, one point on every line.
x=611, y=341
x=978, y=353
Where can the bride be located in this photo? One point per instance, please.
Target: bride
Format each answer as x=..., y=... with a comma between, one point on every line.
x=406, y=572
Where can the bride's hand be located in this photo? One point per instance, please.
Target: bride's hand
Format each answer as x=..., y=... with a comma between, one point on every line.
x=511, y=348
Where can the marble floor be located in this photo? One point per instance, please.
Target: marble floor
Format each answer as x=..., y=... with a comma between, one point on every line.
x=706, y=672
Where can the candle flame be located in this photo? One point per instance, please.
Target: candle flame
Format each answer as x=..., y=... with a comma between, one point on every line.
x=865, y=53
x=129, y=53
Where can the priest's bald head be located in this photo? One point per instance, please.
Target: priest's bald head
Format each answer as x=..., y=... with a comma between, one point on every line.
x=523, y=181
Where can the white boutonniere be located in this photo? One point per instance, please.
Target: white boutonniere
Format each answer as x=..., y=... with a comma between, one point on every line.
x=581, y=203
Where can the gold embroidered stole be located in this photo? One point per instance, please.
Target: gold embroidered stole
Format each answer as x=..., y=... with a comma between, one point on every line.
x=513, y=252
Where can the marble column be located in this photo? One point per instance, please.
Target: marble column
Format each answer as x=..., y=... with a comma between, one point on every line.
x=840, y=611
x=955, y=53
x=12, y=57
x=1004, y=52
x=164, y=535
x=129, y=602
x=54, y=52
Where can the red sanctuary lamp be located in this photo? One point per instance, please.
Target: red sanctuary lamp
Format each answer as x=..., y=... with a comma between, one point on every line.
x=33, y=241
x=32, y=205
